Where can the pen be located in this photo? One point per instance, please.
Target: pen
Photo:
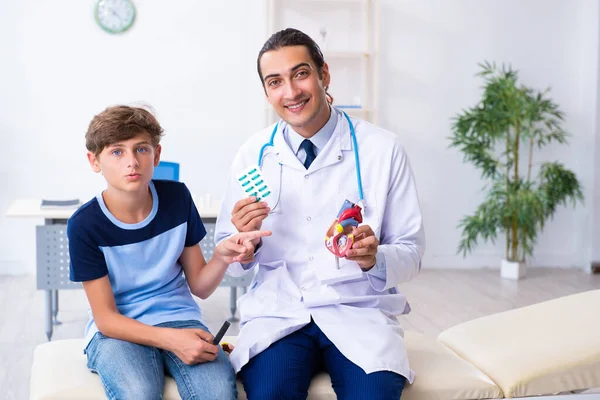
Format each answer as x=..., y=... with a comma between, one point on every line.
x=221, y=333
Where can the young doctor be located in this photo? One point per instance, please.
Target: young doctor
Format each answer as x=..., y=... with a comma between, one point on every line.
x=304, y=312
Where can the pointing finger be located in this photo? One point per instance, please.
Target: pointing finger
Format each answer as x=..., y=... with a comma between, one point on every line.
x=253, y=235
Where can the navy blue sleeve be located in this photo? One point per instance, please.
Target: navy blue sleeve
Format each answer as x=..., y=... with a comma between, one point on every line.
x=195, y=228
x=87, y=260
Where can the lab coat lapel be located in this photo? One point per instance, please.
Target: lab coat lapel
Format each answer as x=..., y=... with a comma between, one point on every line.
x=286, y=155
x=340, y=142
x=333, y=152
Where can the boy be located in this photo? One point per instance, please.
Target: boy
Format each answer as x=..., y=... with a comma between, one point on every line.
x=129, y=246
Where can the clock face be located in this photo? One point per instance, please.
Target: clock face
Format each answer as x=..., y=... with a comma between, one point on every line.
x=114, y=16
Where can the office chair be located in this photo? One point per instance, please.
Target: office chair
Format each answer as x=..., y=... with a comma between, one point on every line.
x=167, y=171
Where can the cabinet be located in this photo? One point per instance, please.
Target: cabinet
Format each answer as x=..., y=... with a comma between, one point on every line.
x=348, y=33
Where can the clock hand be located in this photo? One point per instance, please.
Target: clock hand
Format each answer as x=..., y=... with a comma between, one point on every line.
x=117, y=15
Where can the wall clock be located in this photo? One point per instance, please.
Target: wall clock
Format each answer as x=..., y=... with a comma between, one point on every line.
x=114, y=16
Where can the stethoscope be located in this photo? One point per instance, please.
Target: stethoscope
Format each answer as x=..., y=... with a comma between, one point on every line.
x=361, y=197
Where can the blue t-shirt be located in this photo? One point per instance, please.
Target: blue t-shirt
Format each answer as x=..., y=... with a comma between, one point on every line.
x=141, y=259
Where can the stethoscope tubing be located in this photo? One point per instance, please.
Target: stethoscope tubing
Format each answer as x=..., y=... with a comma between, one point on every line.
x=354, y=143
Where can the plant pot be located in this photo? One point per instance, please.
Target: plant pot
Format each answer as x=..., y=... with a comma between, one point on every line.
x=513, y=270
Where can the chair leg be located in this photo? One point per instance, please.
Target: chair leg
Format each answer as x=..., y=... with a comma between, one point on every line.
x=55, y=321
x=49, y=314
x=233, y=304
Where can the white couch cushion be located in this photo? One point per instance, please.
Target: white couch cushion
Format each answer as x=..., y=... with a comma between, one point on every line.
x=546, y=348
x=441, y=374
x=59, y=372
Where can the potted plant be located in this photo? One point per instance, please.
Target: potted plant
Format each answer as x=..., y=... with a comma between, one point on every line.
x=497, y=136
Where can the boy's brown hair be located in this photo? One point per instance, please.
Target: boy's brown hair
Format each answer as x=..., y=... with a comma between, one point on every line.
x=119, y=123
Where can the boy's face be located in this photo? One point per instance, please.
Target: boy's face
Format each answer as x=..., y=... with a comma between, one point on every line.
x=294, y=89
x=127, y=165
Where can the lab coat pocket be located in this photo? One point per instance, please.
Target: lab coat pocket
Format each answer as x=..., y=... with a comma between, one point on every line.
x=272, y=293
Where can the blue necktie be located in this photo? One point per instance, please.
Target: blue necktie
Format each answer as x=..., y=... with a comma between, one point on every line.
x=309, y=148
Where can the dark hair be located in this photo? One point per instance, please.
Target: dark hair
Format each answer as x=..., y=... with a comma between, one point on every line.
x=118, y=123
x=293, y=37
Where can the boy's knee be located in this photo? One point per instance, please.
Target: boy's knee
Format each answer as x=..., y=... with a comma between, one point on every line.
x=215, y=380
x=137, y=384
x=214, y=389
x=136, y=389
x=222, y=391
x=224, y=386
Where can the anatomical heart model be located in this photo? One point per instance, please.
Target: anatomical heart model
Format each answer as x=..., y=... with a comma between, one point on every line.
x=339, y=238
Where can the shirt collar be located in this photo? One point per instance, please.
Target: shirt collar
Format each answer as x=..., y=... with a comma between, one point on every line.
x=319, y=140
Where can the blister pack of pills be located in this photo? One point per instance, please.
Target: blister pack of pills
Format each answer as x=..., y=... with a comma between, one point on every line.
x=253, y=183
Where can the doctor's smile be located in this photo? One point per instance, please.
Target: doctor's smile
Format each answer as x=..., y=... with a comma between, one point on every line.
x=296, y=107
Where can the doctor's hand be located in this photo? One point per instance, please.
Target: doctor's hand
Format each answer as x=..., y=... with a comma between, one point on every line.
x=239, y=247
x=191, y=345
x=248, y=215
x=364, y=249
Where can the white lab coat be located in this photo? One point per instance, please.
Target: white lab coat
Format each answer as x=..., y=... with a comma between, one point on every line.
x=358, y=316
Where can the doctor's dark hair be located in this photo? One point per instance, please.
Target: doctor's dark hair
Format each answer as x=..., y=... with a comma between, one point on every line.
x=293, y=37
x=118, y=123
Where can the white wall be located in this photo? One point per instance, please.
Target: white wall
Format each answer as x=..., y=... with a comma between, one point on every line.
x=195, y=63
x=430, y=58
x=192, y=61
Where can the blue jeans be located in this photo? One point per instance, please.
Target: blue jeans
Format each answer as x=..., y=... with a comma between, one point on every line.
x=132, y=371
x=285, y=369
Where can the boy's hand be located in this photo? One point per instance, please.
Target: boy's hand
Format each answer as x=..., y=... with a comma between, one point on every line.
x=192, y=345
x=248, y=215
x=239, y=247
